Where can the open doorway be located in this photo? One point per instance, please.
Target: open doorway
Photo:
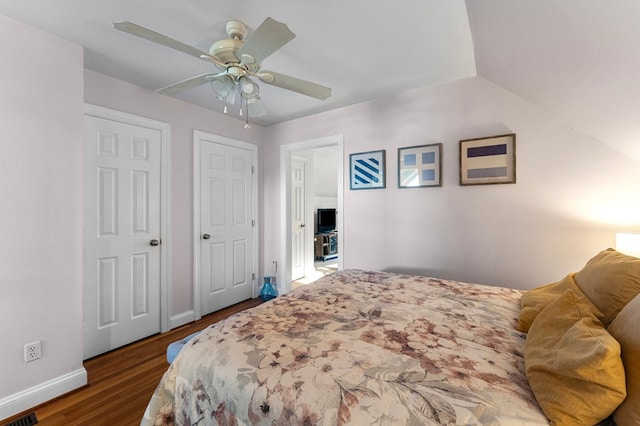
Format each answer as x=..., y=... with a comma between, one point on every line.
x=322, y=187
x=314, y=208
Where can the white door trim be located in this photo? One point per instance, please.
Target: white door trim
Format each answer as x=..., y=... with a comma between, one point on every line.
x=286, y=151
x=165, y=220
x=199, y=136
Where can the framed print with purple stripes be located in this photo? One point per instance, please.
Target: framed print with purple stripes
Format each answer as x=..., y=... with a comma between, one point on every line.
x=489, y=160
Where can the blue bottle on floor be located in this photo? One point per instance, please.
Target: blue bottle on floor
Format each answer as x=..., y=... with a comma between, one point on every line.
x=268, y=290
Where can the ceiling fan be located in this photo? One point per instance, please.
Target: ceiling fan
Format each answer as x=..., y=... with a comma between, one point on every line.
x=237, y=60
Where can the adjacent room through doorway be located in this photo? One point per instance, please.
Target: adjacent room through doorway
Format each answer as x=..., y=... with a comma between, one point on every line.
x=314, y=201
x=313, y=213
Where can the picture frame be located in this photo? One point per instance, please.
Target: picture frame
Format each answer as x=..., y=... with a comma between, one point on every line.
x=367, y=170
x=489, y=160
x=420, y=166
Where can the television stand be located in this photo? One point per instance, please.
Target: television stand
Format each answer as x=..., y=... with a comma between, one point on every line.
x=326, y=245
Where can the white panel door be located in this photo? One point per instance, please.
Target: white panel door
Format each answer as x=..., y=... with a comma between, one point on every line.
x=226, y=225
x=298, y=212
x=122, y=234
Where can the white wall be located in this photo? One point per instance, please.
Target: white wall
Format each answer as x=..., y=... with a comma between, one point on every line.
x=183, y=118
x=40, y=215
x=325, y=178
x=572, y=193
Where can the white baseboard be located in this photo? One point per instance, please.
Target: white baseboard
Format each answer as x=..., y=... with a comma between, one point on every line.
x=36, y=395
x=182, y=319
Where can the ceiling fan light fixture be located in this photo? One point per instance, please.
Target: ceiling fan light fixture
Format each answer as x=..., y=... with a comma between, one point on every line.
x=248, y=89
x=223, y=86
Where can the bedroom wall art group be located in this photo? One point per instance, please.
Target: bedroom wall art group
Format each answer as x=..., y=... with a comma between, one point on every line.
x=483, y=161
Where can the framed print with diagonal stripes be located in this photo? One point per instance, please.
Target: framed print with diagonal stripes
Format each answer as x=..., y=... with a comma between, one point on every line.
x=367, y=170
x=488, y=160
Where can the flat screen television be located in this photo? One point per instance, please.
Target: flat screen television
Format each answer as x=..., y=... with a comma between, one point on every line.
x=326, y=220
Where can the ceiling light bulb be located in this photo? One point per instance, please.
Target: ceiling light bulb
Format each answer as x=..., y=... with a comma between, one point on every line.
x=223, y=86
x=248, y=89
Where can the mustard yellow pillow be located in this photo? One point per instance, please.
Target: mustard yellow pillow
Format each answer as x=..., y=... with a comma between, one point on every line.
x=534, y=301
x=610, y=279
x=626, y=329
x=573, y=364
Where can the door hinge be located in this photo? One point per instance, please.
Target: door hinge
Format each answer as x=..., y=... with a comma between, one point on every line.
x=253, y=223
x=253, y=170
x=253, y=276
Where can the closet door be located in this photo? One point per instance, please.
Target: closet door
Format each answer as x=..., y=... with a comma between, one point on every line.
x=122, y=234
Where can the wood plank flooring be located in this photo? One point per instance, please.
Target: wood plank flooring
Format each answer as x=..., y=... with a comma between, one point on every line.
x=121, y=382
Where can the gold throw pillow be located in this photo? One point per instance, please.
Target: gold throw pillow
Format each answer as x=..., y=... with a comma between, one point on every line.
x=534, y=301
x=610, y=279
x=573, y=364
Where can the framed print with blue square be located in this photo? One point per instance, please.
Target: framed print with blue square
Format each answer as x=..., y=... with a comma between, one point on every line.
x=489, y=160
x=420, y=166
x=367, y=170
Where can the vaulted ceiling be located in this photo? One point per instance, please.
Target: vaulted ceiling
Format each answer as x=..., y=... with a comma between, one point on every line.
x=577, y=59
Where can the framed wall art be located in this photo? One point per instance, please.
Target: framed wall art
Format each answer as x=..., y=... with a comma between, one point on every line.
x=489, y=160
x=420, y=166
x=367, y=170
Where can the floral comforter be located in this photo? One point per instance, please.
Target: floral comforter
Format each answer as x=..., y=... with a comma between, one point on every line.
x=357, y=348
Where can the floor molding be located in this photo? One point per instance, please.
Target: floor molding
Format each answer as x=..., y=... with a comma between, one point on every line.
x=21, y=401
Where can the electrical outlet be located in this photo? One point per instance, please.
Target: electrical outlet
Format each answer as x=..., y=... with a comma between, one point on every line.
x=32, y=351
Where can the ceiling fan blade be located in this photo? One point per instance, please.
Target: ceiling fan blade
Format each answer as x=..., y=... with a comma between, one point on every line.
x=255, y=107
x=295, y=84
x=188, y=84
x=142, y=32
x=270, y=36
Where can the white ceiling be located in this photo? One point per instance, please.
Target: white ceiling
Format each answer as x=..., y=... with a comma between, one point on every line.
x=578, y=59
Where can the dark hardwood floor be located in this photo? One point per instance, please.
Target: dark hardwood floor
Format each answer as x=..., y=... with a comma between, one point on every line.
x=121, y=382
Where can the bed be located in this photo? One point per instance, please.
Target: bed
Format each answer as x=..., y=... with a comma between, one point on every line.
x=361, y=347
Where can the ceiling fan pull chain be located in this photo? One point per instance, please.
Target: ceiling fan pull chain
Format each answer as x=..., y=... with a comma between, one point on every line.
x=246, y=115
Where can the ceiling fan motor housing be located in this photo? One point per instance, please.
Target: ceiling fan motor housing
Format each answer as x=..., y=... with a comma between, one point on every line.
x=225, y=50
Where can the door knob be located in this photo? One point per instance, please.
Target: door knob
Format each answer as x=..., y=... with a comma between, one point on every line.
x=154, y=242
x=302, y=225
x=206, y=236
